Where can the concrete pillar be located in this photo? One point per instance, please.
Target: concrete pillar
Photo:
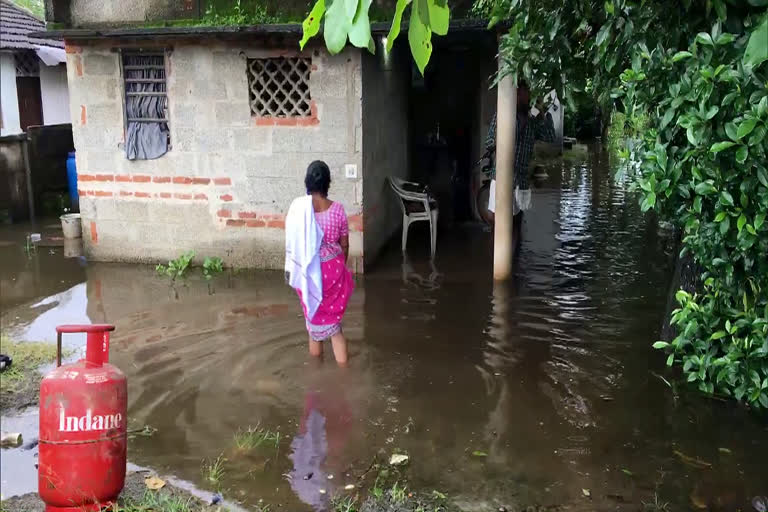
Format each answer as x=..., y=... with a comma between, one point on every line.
x=503, y=236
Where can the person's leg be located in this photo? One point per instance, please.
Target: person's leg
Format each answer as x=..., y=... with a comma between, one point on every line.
x=315, y=348
x=339, y=343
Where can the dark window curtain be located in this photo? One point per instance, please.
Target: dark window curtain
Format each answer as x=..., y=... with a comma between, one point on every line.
x=145, y=140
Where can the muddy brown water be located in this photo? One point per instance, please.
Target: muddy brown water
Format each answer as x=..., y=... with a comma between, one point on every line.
x=534, y=393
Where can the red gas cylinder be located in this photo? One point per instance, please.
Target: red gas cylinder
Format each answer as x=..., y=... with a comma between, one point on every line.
x=83, y=436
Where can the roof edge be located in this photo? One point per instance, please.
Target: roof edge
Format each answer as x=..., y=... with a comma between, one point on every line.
x=379, y=28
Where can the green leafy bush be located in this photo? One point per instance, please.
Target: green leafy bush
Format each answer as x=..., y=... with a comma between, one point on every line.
x=705, y=165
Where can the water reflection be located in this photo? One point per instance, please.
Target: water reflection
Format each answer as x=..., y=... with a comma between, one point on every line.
x=320, y=445
x=550, y=377
x=429, y=281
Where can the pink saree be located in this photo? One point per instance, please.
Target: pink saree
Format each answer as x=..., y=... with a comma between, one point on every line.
x=337, y=279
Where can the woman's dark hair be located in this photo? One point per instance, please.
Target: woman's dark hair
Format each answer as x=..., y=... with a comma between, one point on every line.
x=318, y=179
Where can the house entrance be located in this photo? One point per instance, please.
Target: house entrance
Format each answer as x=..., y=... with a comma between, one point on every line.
x=450, y=110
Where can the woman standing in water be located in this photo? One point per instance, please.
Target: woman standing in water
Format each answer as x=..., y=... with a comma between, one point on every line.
x=317, y=248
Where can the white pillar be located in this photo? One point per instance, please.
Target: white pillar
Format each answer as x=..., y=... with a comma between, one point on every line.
x=503, y=236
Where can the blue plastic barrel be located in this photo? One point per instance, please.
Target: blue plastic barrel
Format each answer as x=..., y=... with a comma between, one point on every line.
x=72, y=181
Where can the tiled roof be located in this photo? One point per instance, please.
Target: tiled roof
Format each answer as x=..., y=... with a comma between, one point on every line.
x=16, y=24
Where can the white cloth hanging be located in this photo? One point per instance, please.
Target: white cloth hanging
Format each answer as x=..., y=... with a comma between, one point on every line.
x=303, y=237
x=522, y=199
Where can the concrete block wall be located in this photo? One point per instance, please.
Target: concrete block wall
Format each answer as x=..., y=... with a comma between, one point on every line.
x=386, y=85
x=225, y=185
x=83, y=13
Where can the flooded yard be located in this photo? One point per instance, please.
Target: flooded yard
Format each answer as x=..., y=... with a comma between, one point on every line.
x=544, y=392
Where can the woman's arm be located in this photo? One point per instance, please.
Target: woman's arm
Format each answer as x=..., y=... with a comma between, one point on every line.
x=344, y=242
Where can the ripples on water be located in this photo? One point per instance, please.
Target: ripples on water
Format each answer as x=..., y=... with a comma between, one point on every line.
x=551, y=375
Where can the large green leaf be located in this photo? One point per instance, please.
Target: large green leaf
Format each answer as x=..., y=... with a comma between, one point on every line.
x=394, y=30
x=757, y=48
x=721, y=9
x=705, y=39
x=720, y=146
x=605, y=31
x=311, y=25
x=420, y=39
x=360, y=32
x=746, y=127
x=336, y=27
x=741, y=154
x=439, y=18
x=350, y=8
x=423, y=11
x=762, y=175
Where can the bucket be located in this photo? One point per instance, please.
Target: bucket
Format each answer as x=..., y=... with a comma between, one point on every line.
x=73, y=247
x=70, y=225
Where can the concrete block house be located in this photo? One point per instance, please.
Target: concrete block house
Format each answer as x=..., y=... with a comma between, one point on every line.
x=199, y=137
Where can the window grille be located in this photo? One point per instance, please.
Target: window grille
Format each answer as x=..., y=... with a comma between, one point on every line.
x=146, y=105
x=27, y=64
x=279, y=87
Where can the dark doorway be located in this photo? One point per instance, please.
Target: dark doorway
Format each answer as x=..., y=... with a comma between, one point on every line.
x=445, y=120
x=30, y=101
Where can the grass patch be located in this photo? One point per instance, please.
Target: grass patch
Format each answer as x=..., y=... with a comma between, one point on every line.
x=394, y=498
x=213, y=470
x=254, y=437
x=27, y=358
x=345, y=504
x=157, y=502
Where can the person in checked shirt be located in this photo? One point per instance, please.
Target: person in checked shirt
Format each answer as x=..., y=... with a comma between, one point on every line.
x=530, y=128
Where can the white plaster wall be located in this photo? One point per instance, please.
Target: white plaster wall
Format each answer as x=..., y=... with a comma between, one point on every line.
x=53, y=88
x=8, y=99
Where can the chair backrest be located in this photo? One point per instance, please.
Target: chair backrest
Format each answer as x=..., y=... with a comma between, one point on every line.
x=398, y=185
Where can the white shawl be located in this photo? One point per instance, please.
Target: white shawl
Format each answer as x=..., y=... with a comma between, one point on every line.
x=303, y=237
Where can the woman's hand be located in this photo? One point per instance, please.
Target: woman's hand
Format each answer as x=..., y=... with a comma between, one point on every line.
x=344, y=243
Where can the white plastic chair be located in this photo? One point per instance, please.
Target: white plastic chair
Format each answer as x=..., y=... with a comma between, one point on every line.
x=416, y=206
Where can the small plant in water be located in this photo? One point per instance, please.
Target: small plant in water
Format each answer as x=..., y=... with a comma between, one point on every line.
x=377, y=492
x=29, y=246
x=178, y=267
x=345, y=504
x=213, y=470
x=212, y=267
x=254, y=437
x=398, y=494
x=656, y=505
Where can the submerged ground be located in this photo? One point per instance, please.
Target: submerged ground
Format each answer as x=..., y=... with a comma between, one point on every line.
x=543, y=393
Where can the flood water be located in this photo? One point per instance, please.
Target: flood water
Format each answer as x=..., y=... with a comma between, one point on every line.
x=535, y=393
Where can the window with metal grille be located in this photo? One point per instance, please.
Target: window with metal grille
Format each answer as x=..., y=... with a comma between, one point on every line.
x=27, y=64
x=146, y=105
x=279, y=87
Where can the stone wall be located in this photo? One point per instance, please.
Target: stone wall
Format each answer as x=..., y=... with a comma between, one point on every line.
x=385, y=143
x=14, y=191
x=83, y=13
x=224, y=187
